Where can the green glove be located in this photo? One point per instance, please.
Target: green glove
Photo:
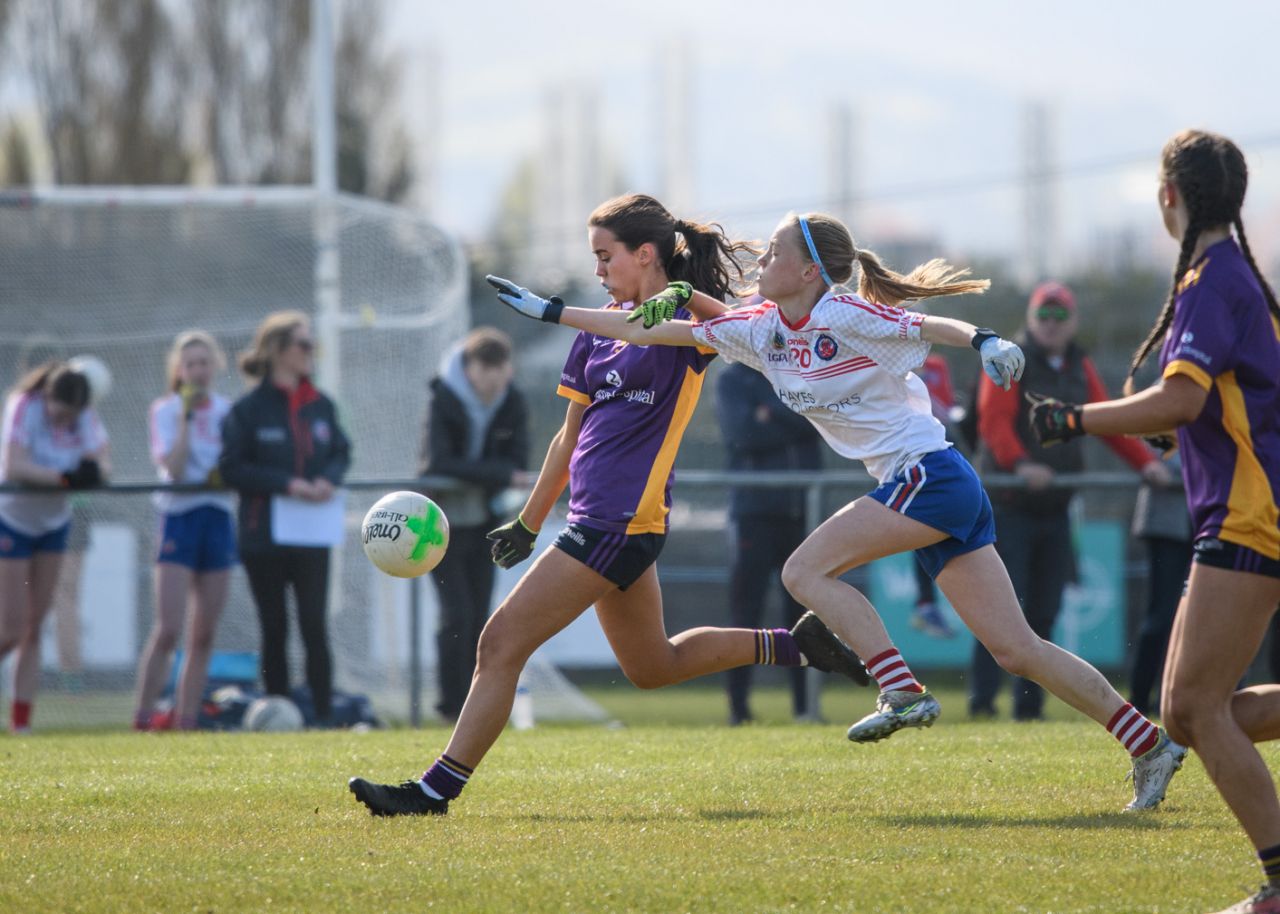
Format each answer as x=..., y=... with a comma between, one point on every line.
x=512, y=543
x=663, y=306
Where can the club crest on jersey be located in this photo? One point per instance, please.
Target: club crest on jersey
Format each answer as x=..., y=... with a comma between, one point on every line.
x=825, y=348
x=779, y=341
x=613, y=378
x=320, y=431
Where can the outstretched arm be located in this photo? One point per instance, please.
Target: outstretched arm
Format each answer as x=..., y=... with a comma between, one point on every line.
x=611, y=323
x=1001, y=360
x=1169, y=403
x=614, y=325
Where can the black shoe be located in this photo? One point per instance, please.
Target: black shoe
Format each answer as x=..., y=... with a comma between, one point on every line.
x=825, y=651
x=407, y=799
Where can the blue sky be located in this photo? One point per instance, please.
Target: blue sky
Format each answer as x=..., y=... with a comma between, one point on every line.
x=939, y=90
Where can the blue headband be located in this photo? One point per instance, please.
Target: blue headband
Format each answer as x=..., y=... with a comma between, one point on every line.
x=813, y=250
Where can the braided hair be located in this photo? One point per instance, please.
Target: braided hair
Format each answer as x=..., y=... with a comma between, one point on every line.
x=1210, y=173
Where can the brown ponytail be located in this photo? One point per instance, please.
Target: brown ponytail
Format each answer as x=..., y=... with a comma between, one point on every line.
x=878, y=283
x=703, y=256
x=58, y=381
x=270, y=339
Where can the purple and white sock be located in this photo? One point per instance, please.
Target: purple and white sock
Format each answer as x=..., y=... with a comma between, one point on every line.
x=445, y=779
x=776, y=646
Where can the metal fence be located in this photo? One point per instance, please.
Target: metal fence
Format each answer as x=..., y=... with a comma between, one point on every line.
x=381, y=628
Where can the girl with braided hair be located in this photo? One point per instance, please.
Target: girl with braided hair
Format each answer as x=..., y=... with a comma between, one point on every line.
x=1219, y=341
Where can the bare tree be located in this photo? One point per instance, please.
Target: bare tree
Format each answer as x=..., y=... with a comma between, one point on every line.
x=108, y=79
x=146, y=91
x=254, y=87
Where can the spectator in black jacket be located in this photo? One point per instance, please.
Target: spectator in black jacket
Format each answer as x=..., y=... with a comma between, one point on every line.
x=476, y=432
x=283, y=439
x=761, y=433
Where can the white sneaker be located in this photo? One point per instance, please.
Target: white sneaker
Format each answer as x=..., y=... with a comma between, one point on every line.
x=894, y=710
x=1153, y=771
x=1266, y=901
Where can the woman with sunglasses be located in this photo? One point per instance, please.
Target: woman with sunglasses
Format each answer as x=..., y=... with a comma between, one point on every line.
x=283, y=439
x=844, y=361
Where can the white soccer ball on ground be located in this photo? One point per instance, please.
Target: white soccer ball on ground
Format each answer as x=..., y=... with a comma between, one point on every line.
x=405, y=534
x=272, y=714
x=96, y=373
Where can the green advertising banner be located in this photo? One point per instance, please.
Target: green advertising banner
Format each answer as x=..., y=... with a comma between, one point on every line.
x=1092, y=622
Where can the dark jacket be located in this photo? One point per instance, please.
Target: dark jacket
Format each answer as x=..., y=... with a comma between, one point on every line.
x=1004, y=425
x=268, y=438
x=784, y=441
x=445, y=435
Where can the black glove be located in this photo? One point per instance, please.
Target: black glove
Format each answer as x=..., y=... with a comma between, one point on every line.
x=87, y=475
x=1053, y=421
x=512, y=543
x=1162, y=443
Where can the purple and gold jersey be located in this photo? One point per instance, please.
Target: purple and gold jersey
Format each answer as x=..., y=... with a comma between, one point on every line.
x=639, y=400
x=1224, y=338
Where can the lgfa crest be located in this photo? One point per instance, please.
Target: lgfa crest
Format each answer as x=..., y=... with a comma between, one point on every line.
x=779, y=342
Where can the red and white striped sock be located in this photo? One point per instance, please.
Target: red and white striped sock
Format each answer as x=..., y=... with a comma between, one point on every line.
x=892, y=673
x=1137, y=734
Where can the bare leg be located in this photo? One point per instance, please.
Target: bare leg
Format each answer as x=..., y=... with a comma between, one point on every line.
x=14, y=574
x=632, y=621
x=44, y=578
x=173, y=582
x=1257, y=712
x=979, y=589
x=858, y=533
x=209, y=596
x=66, y=611
x=553, y=592
x=1219, y=628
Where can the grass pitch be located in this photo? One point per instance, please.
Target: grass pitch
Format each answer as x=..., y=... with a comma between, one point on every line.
x=674, y=812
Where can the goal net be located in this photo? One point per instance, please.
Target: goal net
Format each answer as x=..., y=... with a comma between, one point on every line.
x=117, y=273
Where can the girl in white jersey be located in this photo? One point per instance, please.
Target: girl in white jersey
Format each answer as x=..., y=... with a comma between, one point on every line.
x=197, y=538
x=51, y=439
x=845, y=361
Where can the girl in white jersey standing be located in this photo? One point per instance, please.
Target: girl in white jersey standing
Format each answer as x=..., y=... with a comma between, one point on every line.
x=51, y=439
x=845, y=361
x=197, y=539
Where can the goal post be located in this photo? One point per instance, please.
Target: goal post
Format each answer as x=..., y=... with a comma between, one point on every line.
x=118, y=272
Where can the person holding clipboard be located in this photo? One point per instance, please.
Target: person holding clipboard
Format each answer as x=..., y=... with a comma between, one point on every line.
x=285, y=453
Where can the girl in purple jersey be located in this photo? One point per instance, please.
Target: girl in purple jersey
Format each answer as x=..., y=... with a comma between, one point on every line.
x=1219, y=339
x=845, y=361
x=628, y=409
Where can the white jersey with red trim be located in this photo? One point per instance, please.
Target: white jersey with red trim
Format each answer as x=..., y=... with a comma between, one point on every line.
x=847, y=369
x=204, y=445
x=57, y=447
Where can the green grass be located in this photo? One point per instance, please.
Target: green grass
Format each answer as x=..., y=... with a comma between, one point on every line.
x=671, y=813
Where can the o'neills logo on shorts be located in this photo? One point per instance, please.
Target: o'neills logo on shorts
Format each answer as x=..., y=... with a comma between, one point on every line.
x=571, y=533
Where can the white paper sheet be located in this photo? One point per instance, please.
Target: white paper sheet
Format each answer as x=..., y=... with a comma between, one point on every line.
x=295, y=522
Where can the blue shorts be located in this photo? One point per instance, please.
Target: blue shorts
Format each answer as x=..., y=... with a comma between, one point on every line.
x=202, y=539
x=15, y=545
x=944, y=492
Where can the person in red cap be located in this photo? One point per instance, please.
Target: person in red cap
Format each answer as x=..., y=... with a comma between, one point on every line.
x=1033, y=522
